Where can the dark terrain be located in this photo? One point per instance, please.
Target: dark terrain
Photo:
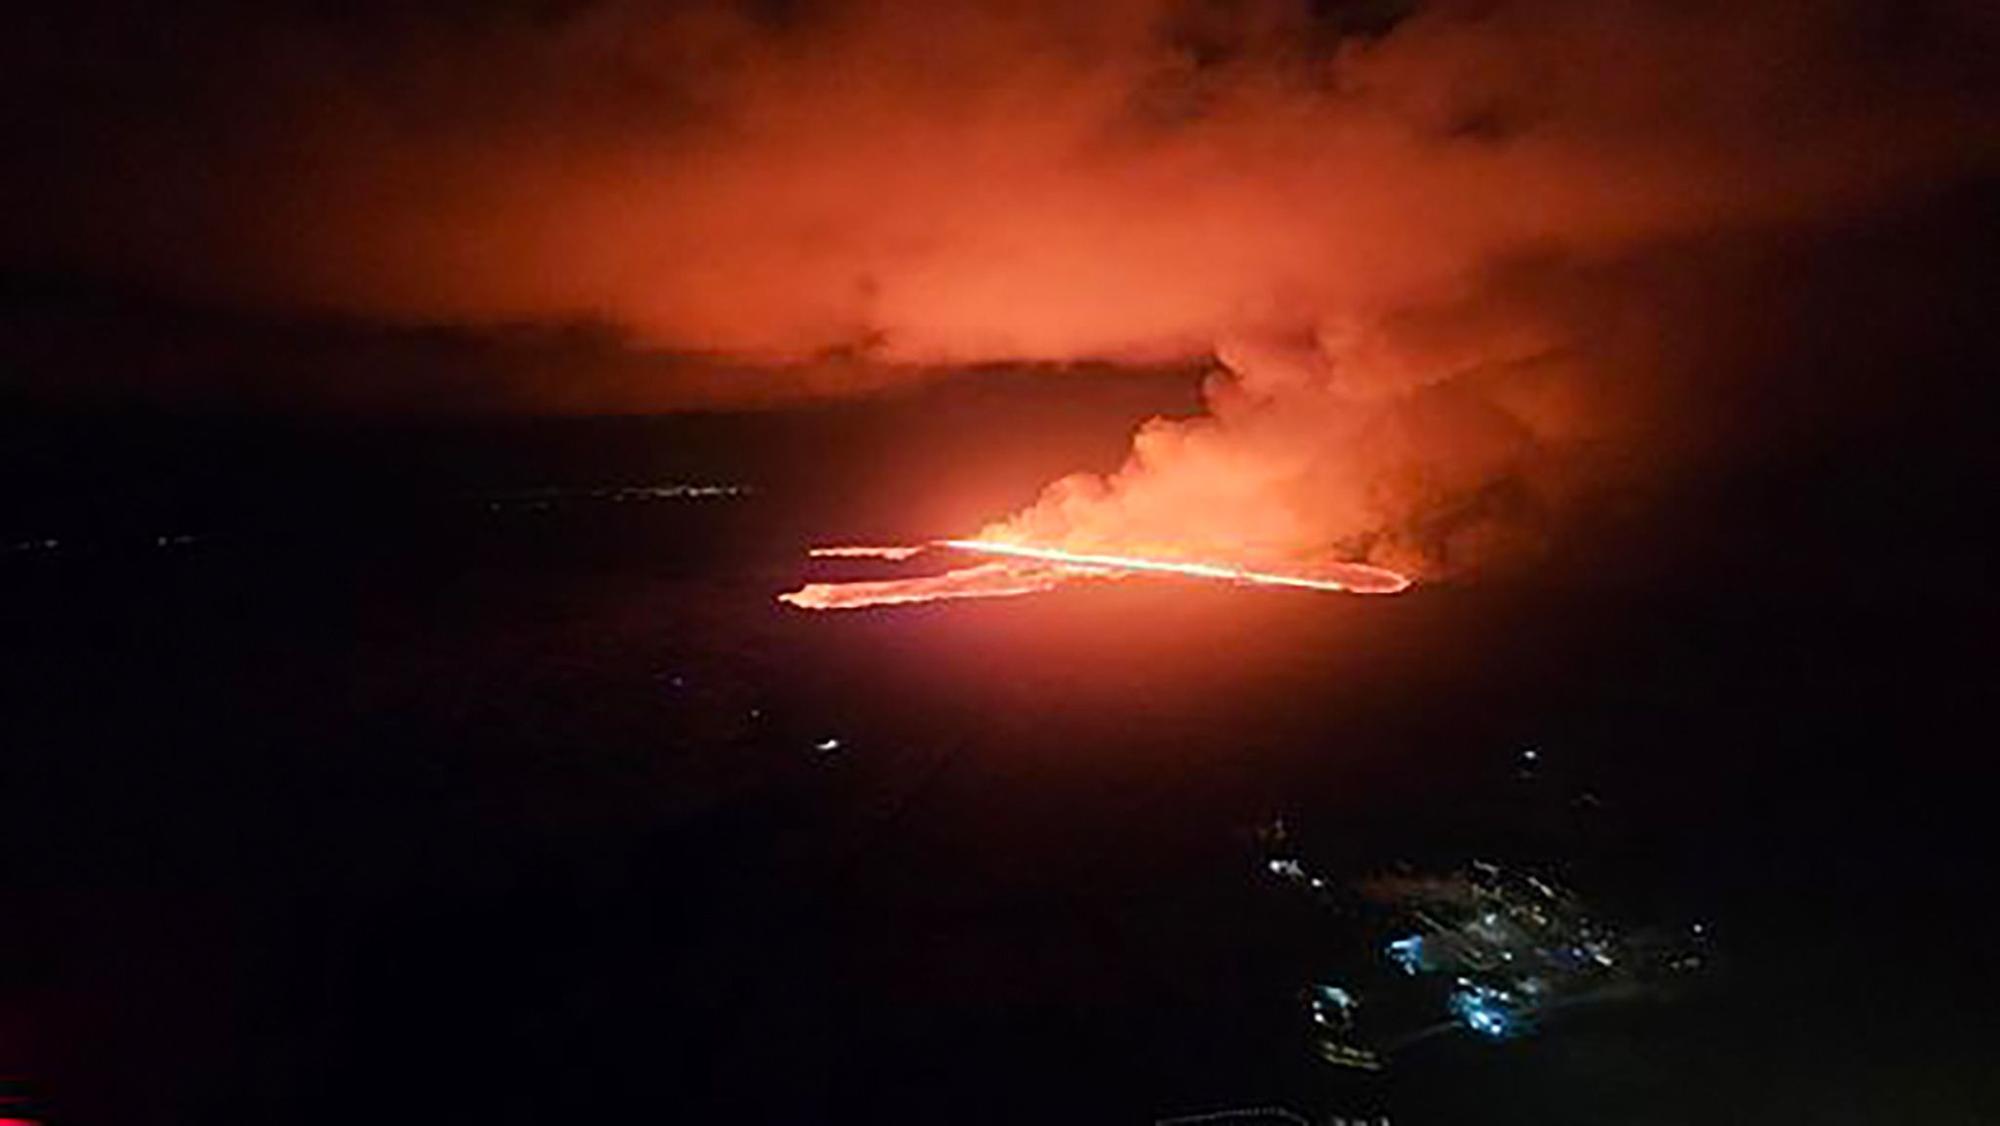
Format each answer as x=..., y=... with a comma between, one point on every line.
x=408, y=790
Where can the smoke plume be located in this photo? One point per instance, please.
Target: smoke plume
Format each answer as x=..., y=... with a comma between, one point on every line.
x=1404, y=232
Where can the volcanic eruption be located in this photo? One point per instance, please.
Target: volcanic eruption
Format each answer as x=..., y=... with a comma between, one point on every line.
x=1025, y=569
x=1454, y=269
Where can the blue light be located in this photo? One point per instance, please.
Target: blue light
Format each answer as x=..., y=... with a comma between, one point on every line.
x=1408, y=953
x=1483, y=1010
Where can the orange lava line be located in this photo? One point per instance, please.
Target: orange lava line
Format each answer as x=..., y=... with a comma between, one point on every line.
x=1356, y=578
x=865, y=552
x=1020, y=569
x=987, y=580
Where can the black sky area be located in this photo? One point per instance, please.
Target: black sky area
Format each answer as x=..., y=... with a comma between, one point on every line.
x=375, y=746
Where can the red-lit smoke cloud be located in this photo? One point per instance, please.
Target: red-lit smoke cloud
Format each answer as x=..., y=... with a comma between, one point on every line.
x=974, y=181
x=1321, y=196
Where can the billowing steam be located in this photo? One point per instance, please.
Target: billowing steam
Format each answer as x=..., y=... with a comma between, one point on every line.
x=1300, y=458
x=1337, y=201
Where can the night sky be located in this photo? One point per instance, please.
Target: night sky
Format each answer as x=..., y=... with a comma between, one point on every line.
x=374, y=744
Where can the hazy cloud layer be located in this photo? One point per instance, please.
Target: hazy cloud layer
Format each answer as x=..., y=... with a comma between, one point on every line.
x=1323, y=196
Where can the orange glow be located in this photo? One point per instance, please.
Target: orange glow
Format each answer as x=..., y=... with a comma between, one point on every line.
x=1344, y=578
x=865, y=552
x=1031, y=570
x=987, y=580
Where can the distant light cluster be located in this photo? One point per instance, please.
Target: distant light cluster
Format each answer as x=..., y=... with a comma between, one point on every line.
x=35, y=545
x=617, y=494
x=1484, y=1009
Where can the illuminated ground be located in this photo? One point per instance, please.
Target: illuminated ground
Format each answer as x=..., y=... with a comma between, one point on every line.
x=433, y=812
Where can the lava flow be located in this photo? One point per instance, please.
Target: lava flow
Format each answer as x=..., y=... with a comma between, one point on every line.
x=1023, y=569
x=1353, y=578
x=897, y=553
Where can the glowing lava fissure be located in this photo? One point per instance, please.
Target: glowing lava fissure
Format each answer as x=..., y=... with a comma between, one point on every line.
x=987, y=580
x=896, y=553
x=1024, y=569
x=1353, y=578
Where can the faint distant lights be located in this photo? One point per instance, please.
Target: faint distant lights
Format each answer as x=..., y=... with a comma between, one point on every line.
x=1528, y=764
x=1285, y=867
x=55, y=545
x=551, y=496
